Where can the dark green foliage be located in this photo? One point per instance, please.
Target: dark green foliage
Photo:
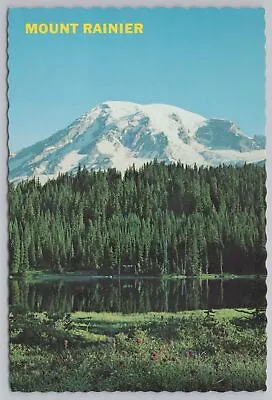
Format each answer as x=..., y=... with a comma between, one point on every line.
x=44, y=329
x=162, y=219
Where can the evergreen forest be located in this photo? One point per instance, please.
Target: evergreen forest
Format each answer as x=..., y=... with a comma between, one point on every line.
x=157, y=220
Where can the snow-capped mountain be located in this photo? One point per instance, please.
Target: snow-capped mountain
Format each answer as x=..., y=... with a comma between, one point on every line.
x=118, y=134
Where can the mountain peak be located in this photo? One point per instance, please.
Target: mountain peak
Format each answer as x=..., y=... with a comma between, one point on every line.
x=118, y=134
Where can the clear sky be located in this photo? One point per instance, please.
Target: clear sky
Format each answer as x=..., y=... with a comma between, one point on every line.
x=208, y=61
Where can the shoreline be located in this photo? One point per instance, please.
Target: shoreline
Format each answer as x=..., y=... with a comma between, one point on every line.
x=39, y=276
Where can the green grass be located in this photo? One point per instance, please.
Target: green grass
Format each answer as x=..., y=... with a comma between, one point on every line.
x=183, y=351
x=141, y=317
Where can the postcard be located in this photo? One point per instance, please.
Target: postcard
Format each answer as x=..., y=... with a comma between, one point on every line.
x=137, y=199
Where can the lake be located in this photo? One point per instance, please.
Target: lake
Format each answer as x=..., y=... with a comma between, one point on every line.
x=130, y=295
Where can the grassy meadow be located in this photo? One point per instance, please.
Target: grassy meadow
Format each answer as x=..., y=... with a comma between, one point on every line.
x=185, y=351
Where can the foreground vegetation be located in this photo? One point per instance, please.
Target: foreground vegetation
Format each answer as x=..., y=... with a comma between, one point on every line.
x=158, y=220
x=185, y=351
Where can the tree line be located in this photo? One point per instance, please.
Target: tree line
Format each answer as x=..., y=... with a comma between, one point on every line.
x=159, y=219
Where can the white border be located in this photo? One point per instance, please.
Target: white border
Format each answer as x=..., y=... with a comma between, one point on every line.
x=5, y=393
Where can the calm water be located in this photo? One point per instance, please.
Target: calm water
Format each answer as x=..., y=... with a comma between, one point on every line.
x=137, y=295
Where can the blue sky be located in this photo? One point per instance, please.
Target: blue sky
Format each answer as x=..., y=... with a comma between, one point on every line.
x=209, y=61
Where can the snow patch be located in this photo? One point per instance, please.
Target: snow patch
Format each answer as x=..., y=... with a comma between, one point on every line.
x=121, y=157
x=69, y=161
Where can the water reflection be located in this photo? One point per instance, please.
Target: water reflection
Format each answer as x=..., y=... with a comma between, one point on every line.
x=137, y=295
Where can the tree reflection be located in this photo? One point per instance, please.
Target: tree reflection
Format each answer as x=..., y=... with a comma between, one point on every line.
x=137, y=295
